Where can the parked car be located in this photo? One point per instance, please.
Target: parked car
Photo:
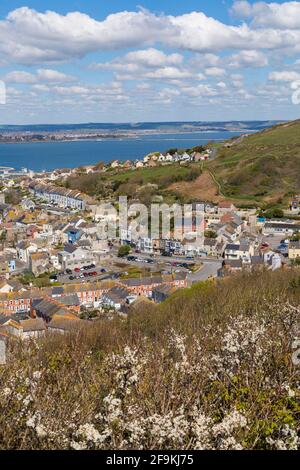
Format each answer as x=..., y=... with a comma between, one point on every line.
x=72, y=278
x=77, y=270
x=69, y=271
x=103, y=270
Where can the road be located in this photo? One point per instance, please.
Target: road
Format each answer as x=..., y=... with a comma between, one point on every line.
x=209, y=269
x=160, y=263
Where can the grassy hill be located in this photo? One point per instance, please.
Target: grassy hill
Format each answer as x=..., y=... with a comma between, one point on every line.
x=211, y=368
x=262, y=168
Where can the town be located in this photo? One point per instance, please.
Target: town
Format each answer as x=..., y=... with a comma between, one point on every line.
x=59, y=270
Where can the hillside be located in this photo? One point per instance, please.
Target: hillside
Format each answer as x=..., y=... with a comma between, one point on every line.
x=262, y=168
x=211, y=368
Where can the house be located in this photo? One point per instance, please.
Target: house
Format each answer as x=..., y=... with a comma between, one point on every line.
x=115, y=297
x=257, y=262
x=45, y=308
x=230, y=266
x=162, y=293
x=226, y=206
x=73, y=256
x=28, y=204
x=145, y=245
x=10, y=285
x=39, y=263
x=144, y=286
x=243, y=251
x=210, y=246
x=115, y=164
x=32, y=328
x=55, y=195
x=73, y=235
x=280, y=228
x=294, y=250
x=66, y=323
x=25, y=249
x=127, y=164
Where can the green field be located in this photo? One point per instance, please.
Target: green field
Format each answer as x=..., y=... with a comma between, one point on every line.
x=263, y=168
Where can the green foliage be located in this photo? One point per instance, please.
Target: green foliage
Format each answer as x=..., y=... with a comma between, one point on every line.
x=123, y=251
x=263, y=167
x=210, y=234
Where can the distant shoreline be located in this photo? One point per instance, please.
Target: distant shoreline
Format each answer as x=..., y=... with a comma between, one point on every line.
x=122, y=137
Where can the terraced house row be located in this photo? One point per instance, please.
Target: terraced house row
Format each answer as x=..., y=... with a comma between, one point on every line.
x=62, y=197
x=87, y=295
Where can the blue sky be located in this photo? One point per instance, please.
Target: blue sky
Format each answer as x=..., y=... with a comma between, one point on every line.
x=78, y=61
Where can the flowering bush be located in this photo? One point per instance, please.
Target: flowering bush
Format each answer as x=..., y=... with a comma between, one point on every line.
x=223, y=379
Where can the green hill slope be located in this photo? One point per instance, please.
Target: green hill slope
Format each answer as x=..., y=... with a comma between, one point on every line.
x=262, y=168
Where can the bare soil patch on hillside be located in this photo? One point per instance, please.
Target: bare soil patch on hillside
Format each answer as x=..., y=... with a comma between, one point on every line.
x=203, y=188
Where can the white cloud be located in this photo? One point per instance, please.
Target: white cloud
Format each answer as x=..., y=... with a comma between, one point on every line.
x=152, y=58
x=19, y=76
x=284, y=76
x=48, y=75
x=148, y=64
x=246, y=59
x=31, y=37
x=275, y=15
x=215, y=72
x=241, y=9
x=42, y=75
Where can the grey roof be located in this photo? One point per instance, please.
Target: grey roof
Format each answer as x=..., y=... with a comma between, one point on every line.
x=57, y=290
x=14, y=316
x=233, y=263
x=232, y=246
x=145, y=281
x=33, y=324
x=117, y=294
x=295, y=244
x=70, y=248
x=210, y=241
x=47, y=308
x=257, y=260
x=65, y=324
x=70, y=300
x=282, y=225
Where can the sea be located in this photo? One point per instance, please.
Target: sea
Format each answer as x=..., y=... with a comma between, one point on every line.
x=47, y=156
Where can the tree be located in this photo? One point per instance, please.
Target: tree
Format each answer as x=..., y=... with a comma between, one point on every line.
x=210, y=234
x=274, y=213
x=124, y=250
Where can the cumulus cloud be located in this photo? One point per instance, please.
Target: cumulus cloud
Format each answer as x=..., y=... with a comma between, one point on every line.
x=284, y=76
x=215, y=72
x=31, y=37
x=42, y=75
x=246, y=59
x=275, y=15
x=148, y=64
